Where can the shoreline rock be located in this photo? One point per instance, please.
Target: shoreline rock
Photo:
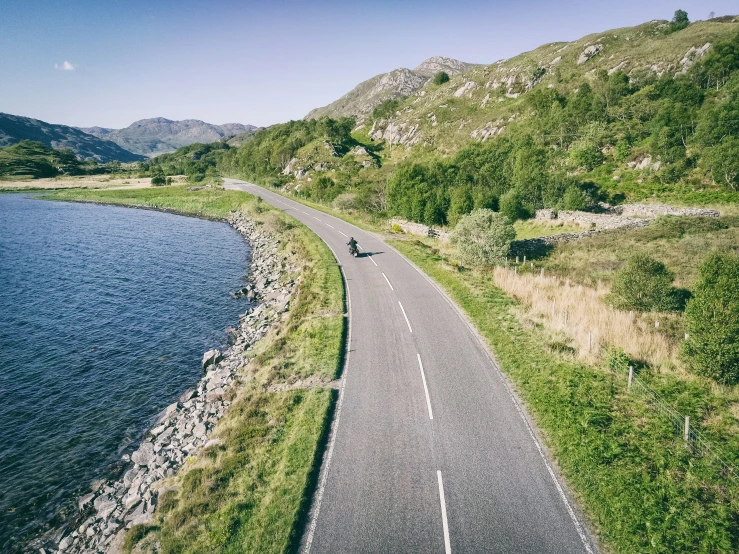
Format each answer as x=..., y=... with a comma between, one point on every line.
x=183, y=428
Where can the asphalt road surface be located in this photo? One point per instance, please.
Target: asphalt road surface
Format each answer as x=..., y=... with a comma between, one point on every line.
x=429, y=450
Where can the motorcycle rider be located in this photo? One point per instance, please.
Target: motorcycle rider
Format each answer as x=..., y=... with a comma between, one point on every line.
x=352, y=244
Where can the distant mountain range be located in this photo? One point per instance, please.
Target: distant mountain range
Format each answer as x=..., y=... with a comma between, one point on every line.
x=150, y=137
x=15, y=128
x=363, y=98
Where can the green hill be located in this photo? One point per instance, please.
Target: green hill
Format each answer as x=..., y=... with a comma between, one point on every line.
x=633, y=113
x=30, y=159
x=14, y=129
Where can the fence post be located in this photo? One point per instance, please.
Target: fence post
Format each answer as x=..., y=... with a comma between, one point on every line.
x=631, y=376
x=554, y=305
x=687, y=429
x=656, y=324
x=631, y=316
x=542, y=272
x=516, y=259
x=590, y=341
x=566, y=316
x=515, y=270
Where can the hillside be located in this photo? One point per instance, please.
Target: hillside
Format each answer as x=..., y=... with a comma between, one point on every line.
x=150, y=137
x=361, y=100
x=15, y=128
x=641, y=113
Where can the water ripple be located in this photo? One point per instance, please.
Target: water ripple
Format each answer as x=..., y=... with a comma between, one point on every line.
x=104, y=315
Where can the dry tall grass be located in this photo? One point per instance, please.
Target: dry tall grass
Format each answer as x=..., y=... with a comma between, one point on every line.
x=581, y=314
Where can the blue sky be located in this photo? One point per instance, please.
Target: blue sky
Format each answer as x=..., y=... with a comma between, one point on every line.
x=263, y=62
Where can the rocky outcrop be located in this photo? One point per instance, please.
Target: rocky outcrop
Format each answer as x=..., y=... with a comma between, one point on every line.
x=360, y=101
x=184, y=428
x=589, y=52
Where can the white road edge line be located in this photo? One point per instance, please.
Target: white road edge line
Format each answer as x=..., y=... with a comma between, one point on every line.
x=386, y=279
x=373, y=260
x=425, y=388
x=405, y=316
x=444, y=522
x=316, y=508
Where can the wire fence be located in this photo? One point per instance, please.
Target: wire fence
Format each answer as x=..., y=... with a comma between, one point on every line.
x=694, y=440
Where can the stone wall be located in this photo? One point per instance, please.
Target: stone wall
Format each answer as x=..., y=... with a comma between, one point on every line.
x=419, y=229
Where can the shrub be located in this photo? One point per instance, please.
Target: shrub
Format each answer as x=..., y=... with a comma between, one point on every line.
x=574, y=199
x=617, y=360
x=712, y=317
x=644, y=284
x=512, y=206
x=441, y=77
x=483, y=237
x=157, y=178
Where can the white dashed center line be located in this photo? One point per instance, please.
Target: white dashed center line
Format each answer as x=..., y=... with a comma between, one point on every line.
x=387, y=280
x=444, y=522
x=425, y=387
x=330, y=225
x=405, y=316
x=373, y=260
x=347, y=236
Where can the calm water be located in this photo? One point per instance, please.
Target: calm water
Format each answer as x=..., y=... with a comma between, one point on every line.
x=104, y=316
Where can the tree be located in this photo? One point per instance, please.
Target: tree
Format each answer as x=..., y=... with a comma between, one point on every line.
x=483, y=237
x=680, y=18
x=512, y=206
x=644, y=284
x=723, y=162
x=441, y=77
x=712, y=317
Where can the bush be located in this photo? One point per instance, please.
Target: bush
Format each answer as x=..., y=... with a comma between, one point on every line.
x=712, y=317
x=157, y=178
x=483, y=237
x=512, y=206
x=441, y=77
x=644, y=285
x=574, y=199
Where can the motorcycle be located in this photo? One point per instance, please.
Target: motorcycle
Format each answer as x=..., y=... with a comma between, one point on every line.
x=354, y=251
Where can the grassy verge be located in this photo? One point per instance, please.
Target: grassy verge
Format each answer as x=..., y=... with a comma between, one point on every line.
x=642, y=488
x=250, y=492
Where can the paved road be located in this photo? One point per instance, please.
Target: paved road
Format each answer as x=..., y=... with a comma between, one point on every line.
x=429, y=453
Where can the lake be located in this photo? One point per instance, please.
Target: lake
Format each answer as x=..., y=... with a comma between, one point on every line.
x=105, y=313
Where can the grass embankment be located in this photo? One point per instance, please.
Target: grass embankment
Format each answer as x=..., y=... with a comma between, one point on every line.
x=642, y=488
x=250, y=493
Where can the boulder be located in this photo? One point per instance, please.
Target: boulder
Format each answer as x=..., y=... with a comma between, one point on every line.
x=144, y=456
x=211, y=357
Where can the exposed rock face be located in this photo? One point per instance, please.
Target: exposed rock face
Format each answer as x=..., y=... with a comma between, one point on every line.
x=184, y=428
x=430, y=67
x=361, y=100
x=589, y=52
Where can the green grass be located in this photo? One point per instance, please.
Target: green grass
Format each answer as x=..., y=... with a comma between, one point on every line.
x=641, y=488
x=681, y=243
x=251, y=492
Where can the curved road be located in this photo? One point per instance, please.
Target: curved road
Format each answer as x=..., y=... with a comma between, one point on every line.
x=429, y=450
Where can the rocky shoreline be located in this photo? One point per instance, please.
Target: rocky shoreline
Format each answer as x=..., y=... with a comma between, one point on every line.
x=183, y=429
